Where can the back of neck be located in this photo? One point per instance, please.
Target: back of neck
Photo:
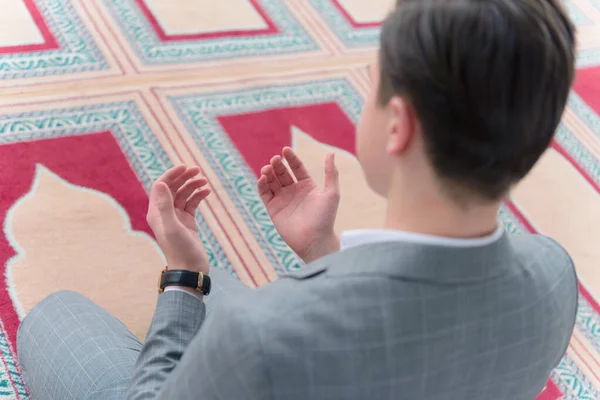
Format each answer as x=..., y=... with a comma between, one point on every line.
x=423, y=209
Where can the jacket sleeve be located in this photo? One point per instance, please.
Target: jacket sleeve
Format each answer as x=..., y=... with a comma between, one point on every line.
x=223, y=360
x=177, y=318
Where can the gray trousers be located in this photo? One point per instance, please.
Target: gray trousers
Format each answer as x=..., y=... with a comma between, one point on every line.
x=71, y=348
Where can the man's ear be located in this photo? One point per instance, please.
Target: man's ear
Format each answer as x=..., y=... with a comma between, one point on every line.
x=403, y=125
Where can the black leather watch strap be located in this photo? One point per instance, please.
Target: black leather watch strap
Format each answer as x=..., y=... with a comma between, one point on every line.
x=194, y=280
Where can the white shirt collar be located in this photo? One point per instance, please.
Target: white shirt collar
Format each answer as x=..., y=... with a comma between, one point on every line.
x=365, y=236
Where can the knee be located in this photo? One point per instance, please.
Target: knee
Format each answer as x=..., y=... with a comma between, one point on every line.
x=38, y=315
x=61, y=297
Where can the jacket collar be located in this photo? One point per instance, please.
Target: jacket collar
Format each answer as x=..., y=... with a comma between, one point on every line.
x=415, y=261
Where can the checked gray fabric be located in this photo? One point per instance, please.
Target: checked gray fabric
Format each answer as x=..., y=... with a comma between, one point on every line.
x=379, y=321
x=70, y=348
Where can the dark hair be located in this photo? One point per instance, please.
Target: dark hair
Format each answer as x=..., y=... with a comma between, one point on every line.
x=488, y=80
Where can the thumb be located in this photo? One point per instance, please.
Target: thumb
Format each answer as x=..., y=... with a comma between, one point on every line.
x=332, y=183
x=162, y=198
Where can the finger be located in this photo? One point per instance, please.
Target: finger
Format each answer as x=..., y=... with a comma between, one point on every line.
x=171, y=174
x=281, y=171
x=332, y=183
x=186, y=191
x=188, y=174
x=263, y=189
x=295, y=164
x=194, y=201
x=272, y=182
x=161, y=202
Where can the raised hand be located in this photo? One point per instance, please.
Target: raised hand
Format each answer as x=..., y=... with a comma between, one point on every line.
x=303, y=213
x=174, y=198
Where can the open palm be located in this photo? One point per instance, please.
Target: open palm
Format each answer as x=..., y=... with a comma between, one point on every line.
x=303, y=213
x=174, y=198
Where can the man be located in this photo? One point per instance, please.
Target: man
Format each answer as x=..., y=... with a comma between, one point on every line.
x=440, y=304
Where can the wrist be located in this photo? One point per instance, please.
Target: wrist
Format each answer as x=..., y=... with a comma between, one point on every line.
x=321, y=247
x=200, y=267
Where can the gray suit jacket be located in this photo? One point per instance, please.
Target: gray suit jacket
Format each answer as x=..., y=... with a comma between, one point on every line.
x=380, y=321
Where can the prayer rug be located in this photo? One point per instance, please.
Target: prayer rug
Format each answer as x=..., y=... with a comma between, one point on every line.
x=100, y=97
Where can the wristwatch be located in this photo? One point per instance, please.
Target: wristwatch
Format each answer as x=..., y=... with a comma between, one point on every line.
x=195, y=280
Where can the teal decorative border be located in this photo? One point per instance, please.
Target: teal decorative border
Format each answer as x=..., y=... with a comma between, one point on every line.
x=199, y=113
x=569, y=379
x=10, y=378
x=578, y=151
x=77, y=53
x=369, y=37
x=346, y=33
x=510, y=222
x=577, y=16
x=145, y=154
x=588, y=322
x=584, y=158
x=589, y=57
x=585, y=112
x=292, y=39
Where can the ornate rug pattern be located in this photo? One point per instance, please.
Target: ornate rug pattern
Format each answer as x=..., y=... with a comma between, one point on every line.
x=99, y=97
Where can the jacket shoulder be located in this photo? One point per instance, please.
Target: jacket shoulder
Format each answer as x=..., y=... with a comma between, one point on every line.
x=542, y=249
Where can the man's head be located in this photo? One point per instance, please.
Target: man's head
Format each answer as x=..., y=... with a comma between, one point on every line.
x=472, y=89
